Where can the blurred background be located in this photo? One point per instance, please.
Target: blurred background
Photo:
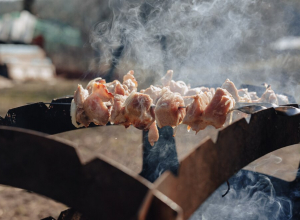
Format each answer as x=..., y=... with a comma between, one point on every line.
x=48, y=47
x=45, y=48
x=253, y=42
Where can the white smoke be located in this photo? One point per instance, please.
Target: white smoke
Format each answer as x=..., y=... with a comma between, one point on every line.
x=202, y=41
x=252, y=196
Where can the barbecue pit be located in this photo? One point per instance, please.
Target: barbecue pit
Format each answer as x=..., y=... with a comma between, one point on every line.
x=104, y=189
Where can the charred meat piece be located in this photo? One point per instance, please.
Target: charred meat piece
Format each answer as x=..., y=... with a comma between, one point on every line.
x=216, y=111
x=167, y=111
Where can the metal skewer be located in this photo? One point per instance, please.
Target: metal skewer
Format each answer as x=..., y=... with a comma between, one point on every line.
x=53, y=103
x=249, y=109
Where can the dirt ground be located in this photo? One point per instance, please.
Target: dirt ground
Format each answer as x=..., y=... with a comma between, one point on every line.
x=111, y=141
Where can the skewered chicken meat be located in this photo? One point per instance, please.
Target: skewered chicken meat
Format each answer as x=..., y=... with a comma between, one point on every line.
x=116, y=88
x=80, y=96
x=130, y=82
x=120, y=103
x=118, y=111
x=204, y=111
x=135, y=110
x=91, y=107
x=244, y=94
x=216, y=111
x=269, y=96
x=194, y=112
x=89, y=86
x=195, y=91
x=179, y=87
x=199, y=90
x=167, y=111
x=95, y=107
x=154, y=92
x=230, y=87
x=238, y=95
x=139, y=111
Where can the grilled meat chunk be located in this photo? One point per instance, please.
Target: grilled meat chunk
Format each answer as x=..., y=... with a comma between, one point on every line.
x=199, y=90
x=268, y=96
x=216, y=111
x=244, y=95
x=116, y=88
x=95, y=107
x=130, y=82
x=167, y=111
x=90, y=85
x=154, y=92
x=80, y=96
x=118, y=111
x=179, y=87
x=194, y=112
x=230, y=87
x=139, y=111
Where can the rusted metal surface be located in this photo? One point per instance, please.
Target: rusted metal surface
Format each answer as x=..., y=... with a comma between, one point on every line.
x=71, y=214
x=101, y=189
x=160, y=157
x=38, y=117
x=210, y=164
x=49, y=218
